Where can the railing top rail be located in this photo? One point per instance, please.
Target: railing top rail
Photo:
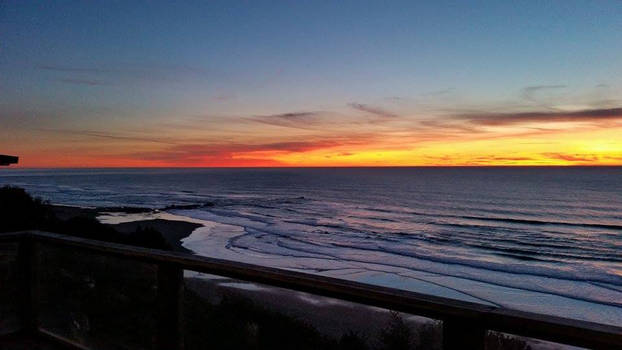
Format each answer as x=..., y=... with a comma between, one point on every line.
x=576, y=332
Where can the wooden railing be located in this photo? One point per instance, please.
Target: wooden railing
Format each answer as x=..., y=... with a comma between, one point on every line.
x=464, y=323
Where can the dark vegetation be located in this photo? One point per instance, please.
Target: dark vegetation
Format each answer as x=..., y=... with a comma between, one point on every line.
x=19, y=211
x=500, y=341
x=239, y=323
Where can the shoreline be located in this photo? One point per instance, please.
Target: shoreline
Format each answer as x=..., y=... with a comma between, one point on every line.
x=173, y=231
x=128, y=219
x=205, y=237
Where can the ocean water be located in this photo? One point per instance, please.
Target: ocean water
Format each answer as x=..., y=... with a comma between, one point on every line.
x=545, y=240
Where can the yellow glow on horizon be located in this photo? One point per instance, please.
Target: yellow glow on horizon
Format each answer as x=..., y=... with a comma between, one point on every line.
x=595, y=147
x=525, y=144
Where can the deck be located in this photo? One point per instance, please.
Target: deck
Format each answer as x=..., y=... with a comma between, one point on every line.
x=464, y=324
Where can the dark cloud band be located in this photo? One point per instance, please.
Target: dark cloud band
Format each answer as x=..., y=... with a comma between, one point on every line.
x=500, y=119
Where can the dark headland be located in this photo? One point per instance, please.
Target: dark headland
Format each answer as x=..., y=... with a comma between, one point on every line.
x=172, y=231
x=19, y=211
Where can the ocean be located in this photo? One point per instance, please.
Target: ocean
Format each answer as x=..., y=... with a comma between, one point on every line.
x=545, y=240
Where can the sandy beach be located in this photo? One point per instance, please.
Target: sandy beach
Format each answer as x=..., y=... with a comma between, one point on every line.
x=173, y=231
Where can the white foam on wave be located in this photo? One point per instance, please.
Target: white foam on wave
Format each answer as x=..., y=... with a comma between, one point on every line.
x=245, y=238
x=535, y=240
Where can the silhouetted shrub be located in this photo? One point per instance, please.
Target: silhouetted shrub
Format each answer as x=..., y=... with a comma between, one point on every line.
x=238, y=323
x=500, y=341
x=20, y=211
x=352, y=341
x=429, y=335
x=148, y=237
x=397, y=335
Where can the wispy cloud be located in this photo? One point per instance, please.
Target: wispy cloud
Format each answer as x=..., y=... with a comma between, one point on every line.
x=572, y=157
x=502, y=158
x=500, y=119
x=529, y=93
x=480, y=160
x=113, y=136
x=372, y=110
x=84, y=82
x=454, y=127
x=225, y=97
x=395, y=98
x=130, y=71
x=298, y=120
x=69, y=69
x=439, y=92
x=212, y=151
x=191, y=152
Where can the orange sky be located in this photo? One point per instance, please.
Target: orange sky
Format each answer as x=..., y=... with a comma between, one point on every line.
x=369, y=138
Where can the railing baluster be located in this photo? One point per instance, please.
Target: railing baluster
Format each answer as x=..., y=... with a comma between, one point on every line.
x=28, y=261
x=169, y=299
x=464, y=323
x=463, y=334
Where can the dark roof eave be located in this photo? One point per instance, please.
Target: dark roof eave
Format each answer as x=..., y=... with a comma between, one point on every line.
x=8, y=160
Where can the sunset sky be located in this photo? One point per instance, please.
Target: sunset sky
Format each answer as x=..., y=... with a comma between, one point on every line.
x=310, y=83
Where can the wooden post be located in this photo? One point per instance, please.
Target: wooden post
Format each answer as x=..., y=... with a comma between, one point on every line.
x=463, y=334
x=169, y=299
x=28, y=260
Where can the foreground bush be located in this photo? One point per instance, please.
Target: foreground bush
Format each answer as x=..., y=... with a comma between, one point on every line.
x=20, y=211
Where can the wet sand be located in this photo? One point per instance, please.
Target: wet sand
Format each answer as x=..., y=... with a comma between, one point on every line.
x=172, y=231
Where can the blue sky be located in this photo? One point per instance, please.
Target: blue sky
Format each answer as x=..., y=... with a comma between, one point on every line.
x=105, y=65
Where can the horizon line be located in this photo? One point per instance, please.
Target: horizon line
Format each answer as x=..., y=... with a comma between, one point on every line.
x=329, y=167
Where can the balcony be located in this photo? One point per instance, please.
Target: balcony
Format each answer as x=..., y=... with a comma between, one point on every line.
x=39, y=263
